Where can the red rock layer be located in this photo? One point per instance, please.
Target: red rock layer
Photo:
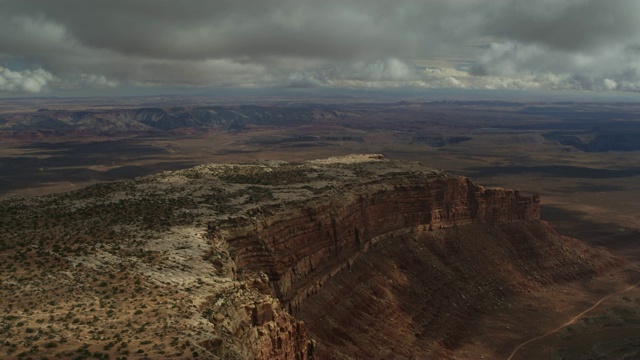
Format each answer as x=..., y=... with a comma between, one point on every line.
x=251, y=325
x=419, y=295
x=300, y=249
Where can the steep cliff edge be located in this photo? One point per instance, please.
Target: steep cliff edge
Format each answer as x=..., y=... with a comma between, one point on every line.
x=357, y=256
x=421, y=295
x=301, y=247
x=400, y=262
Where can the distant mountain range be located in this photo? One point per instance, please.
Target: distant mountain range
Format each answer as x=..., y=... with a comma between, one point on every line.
x=154, y=119
x=582, y=126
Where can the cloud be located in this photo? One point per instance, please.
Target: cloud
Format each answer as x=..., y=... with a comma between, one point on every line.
x=388, y=70
x=507, y=44
x=572, y=25
x=584, y=44
x=28, y=81
x=454, y=78
x=606, y=69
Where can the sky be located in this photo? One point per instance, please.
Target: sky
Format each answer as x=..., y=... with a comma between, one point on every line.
x=93, y=47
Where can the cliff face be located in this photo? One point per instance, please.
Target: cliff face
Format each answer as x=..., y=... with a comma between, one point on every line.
x=401, y=263
x=301, y=248
x=253, y=326
x=358, y=253
x=421, y=295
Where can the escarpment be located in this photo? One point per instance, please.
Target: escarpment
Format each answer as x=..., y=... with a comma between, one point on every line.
x=420, y=295
x=300, y=248
x=350, y=257
x=390, y=261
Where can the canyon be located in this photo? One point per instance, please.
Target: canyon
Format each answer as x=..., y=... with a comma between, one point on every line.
x=356, y=256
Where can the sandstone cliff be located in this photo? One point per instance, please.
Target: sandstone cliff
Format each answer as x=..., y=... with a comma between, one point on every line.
x=301, y=247
x=420, y=295
x=356, y=256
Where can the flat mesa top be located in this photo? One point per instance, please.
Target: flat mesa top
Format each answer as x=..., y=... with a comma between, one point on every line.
x=348, y=159
x=216, y=191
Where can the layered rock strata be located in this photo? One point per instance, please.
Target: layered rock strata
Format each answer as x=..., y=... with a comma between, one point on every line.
x=228, y=260
x=300, y=248
x=395, y=245
x=254, y=327
x=421, y=295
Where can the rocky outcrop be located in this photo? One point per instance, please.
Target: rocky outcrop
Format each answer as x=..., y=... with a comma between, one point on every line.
x=250, y=325
x=417, y=250
x=300, y=248
x=353, y=246
x=422, y=294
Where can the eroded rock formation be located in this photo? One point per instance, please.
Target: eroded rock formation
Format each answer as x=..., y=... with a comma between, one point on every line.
x=351, y=257
x=399, y=260
x=300, y=248
x=420, y=295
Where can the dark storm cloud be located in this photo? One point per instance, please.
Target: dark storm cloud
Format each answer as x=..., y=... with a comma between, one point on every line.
x=205, y=29
x=573, y=25
x=333, y=43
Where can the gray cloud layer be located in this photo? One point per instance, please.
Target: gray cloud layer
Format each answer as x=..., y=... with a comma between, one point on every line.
x=507, y=44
